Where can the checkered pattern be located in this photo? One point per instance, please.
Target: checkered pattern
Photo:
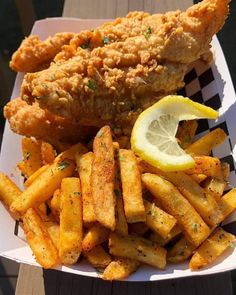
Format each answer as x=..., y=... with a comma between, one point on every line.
x=200, y=86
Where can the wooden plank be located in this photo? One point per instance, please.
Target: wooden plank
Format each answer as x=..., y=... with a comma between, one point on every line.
x=115, y=8
x=63, y=283
x=30, y=280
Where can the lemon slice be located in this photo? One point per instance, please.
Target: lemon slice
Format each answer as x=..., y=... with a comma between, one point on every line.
x=153, y=135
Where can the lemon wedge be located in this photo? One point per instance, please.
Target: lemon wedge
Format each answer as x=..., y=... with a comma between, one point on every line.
x=153, y=135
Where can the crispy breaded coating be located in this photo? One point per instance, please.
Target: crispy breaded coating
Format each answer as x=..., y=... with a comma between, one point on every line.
x=103, y=83
x=34, y=54
x=31, y=120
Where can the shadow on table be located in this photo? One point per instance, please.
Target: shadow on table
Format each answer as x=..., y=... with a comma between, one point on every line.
x=57, y=282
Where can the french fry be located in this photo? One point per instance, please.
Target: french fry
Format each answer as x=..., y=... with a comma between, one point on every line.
x=137, y=248
x=215, y=187
x=44, y=186
x=35, y=175
x=139, y=228
x=181, y=251
x=228, y=203
x=96, y=235
x=199, y=177
x=175, y=204
x=31, y=150
x=158, y=220
x=54, y=204
x=225, y=167
x=120, y=269
x=203, y=203
x=71, y=228
x=206, y=165
x=176, y=231
x=131, y=187
x=98, y=257
x=8, y=190
x=47, y=153
x=211, y=248
x=102, y=178
x=71, y=152
x=84, y=166
x=121, y=222
x=207, y=143
x=54, y=232
x=39, y=239
x=186, y=132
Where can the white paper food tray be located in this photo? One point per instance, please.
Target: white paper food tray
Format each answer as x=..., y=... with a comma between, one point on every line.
x=209, y=85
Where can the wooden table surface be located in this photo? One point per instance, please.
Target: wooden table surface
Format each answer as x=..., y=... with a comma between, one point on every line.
x=33, y=280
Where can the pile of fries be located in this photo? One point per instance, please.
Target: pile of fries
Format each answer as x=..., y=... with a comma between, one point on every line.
x=116, y=210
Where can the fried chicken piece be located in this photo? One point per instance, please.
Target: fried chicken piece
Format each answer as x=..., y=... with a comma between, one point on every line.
x=34, y=54
x=31, y=120
x=120, y=79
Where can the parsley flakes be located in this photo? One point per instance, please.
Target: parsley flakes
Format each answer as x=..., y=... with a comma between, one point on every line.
x=147, y=33
x=194, y=227
x=105, y=40
x=92, y=85
x=63, y=165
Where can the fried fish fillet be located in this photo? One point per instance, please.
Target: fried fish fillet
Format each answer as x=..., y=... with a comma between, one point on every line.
x=123, y=77
x=34, y=54
x=31, y=120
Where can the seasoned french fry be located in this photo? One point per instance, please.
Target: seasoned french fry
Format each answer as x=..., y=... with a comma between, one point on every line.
x=39, y=239
x=71, y=152
x=84, y=166
x=207, y=143
x=215, y=187
x=225, y=167
x=121, y=222
x=35, y=175
x=31, y=150
x=204, y=204
x=54, y=232
x=174, y=203
x=211, y=248
x=228, y=203
x=206, y=165
x=120, y=269
x=186, y=132
x=44, y=186
x=131, y=187
x=47, y=153
x=102, y=178
x=137, y=248
x=98, y=257
x=71, y=228
x=54, y=204
x=139, y=228
x=95, y=235
x=8, y=190
x=199, y=177
x=158, y=220
x=176, y=231
x=181, y=251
